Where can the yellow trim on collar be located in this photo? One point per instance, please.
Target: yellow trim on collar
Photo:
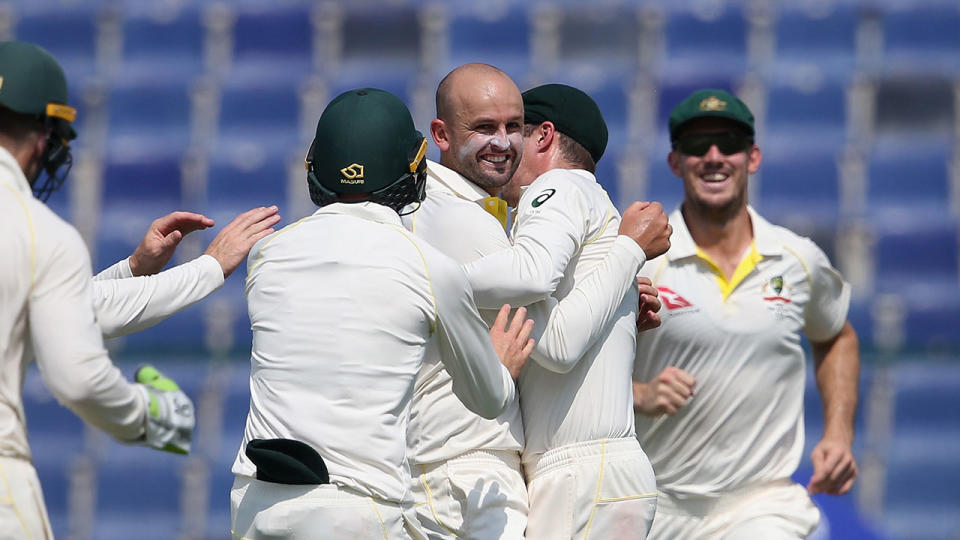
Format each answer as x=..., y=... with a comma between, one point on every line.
x=747, y=264
x=497, y=207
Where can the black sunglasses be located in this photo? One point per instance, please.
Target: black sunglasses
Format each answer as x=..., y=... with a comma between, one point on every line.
x=728, y=142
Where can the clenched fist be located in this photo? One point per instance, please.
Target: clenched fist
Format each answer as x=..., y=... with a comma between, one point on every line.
x=647, y=225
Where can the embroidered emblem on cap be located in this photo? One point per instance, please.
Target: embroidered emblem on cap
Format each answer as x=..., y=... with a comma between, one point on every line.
x=713, y=103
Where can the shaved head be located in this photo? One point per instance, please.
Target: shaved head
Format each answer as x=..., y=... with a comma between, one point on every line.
x=478, y=125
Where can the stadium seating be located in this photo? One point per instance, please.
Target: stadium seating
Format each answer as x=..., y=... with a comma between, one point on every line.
x=705, y=42
x=799, y=182
x=817, y=36
x=933, y=49
x=167, y=41
x=908, y=179
x=479, y=34
x=69, y=34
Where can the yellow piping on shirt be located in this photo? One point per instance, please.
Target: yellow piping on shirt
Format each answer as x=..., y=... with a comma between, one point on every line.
x=606, y=223
x=267, y=243
x=802, y=263
x=33, y=237
x=433, y=297
x=656, y=275
x=747, y=265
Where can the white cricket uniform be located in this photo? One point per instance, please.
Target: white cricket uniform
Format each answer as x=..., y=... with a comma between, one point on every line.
x=466, y=481
x=126, y=304
x=586, y=473
x=740, y=437
x=46, y=315
x=343, y=304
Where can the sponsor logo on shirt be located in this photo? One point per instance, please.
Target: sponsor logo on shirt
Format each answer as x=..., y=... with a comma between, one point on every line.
x=775, y=290
x=672, y=300
x=543, y=197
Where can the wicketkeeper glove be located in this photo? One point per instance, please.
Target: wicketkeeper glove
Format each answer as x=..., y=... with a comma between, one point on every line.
x=170, y=414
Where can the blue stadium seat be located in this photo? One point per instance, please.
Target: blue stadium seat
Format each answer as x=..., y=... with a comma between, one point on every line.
x=697, y=46
x=163, y=45
x=824, y=36
x=273, y=40
x=138, y=497
x=918, y=261
x=151, y=117
x=799, y=182
x=234, y=186
x=264, y=116
x=69, y=34
x=816, y=116
x=493, y=36
x=662, y=185
x=908, y=180
x=934, y=326
x=922, y=39
x=599, y=41
x=390, y=38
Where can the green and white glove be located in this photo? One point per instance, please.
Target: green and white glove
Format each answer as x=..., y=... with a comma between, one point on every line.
x=170, y=414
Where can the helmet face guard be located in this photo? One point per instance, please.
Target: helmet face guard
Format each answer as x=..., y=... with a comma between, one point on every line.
x=56, y=159
x=408, y=189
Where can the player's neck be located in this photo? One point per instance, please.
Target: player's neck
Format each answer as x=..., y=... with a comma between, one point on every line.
x=724, y=239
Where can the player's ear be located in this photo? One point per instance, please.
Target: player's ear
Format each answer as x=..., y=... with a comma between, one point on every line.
x=673, y=160
x=546, y=135
x=438, y=130
x=754, y=157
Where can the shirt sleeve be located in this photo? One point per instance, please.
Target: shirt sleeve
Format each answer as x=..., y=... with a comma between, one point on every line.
x=826, y=312
x=119, y=270
x=124, y=306
x=481, y=382
x=68, y=346
x=551, y=223
x=566, y=330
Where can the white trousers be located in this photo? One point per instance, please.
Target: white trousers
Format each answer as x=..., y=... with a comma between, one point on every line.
x=478, y=495
x=601, y=489
x=22, y=512
x=264, y=510
x=777, y=510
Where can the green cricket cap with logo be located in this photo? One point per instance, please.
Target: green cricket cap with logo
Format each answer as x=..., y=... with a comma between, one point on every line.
x=572, y=111
x=365, y=141
x=710, y=103
x=32, y=82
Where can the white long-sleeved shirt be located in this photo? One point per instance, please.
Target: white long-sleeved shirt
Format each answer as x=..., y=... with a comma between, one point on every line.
x=452, y=219
x=566, y=249
x=46, y=314
x=343, y=305
x=126, y=304
x=741, y=340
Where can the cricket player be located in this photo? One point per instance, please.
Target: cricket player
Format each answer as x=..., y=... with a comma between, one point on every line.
x=343, y=305
x=719, y=386
x=46, y=303
x=586, y=473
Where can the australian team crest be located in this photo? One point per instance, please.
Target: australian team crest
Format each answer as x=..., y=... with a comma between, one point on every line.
x=776, y=290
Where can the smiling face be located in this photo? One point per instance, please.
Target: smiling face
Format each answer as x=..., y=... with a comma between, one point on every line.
x=714, y=184
x=482, y=138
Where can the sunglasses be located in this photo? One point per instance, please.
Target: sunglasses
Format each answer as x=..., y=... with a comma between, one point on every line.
x=728, y=142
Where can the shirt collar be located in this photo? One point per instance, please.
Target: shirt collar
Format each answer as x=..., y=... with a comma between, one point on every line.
x=455, y=182
x=363, y=210
x=15, y=173
x=682, y=244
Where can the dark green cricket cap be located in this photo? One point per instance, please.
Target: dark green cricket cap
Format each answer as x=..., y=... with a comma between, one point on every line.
x=572, y=111
x=32, y=82
x=365, y=141
x=710, y=103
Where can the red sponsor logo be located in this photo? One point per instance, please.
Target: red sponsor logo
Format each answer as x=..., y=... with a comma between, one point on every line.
x=671, y=299
x=776, y=299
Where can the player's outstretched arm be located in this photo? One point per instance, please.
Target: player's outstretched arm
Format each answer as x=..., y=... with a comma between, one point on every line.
x=128, y=305
x=837, y=366
x=667, y=393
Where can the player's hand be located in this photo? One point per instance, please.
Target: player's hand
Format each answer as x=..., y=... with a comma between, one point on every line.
x=647, y=317
x=161, y=241
x=233, y=242
x=834, y=468
x=667, y=393
x=170, y=413
x=649, y=227
x=513, y=345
